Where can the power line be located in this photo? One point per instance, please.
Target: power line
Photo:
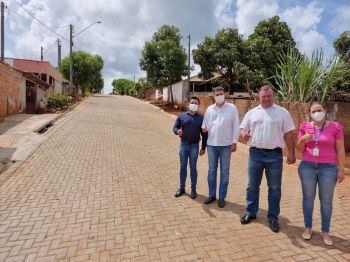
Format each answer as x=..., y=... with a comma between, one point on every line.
x=53, y=43
x=32, y=21
x=41, y=23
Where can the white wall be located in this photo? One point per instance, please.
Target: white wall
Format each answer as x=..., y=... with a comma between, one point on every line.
x=177, y=92
x=166, y=94
x=58, y=88
x=40, y=94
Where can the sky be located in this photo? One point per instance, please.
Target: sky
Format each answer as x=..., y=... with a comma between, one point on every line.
x=127, y=25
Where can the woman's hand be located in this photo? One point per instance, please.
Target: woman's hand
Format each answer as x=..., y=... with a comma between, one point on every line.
x=340, y=175
x=307, y=137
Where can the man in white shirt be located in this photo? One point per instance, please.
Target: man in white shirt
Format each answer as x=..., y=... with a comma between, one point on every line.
x=266, y=128
x=221, y=121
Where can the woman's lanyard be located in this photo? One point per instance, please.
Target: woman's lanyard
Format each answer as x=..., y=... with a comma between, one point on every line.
x=317, y=137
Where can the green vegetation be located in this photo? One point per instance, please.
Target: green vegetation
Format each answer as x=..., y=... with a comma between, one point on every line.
x=164, y=58
x=302, y=79
x=123, y=86
x=87, y=71
x=60, y=101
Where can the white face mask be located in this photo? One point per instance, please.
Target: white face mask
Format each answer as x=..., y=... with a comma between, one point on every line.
x=193, y=107
x=318, y=116
x=219, y=99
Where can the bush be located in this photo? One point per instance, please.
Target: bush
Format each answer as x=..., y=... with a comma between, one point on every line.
x=58, y=101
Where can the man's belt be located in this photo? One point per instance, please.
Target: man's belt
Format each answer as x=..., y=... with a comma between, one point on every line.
x=268, y=149
x=190, y=142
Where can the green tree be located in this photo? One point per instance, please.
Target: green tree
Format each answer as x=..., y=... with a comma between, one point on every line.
x=163, y=58
x=123, y=86
x=270, y=38
x=87, y=69
x=226, y=53
x=342, y=46
x=97, y=84
x=141, y=85
x=342, y=75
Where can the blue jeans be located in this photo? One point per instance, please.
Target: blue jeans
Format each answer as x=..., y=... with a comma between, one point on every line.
x=325, y=175
x=188, y=152
x=272, y=163
x=216, y=153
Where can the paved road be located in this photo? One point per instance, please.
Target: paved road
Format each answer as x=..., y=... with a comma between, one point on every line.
x=101, y=188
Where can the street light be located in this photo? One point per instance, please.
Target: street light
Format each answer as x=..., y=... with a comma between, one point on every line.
x=96, y=22
x=71, y=48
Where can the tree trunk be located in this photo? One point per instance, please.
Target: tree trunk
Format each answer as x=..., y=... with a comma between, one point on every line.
x=230, y=85
x=171, y=94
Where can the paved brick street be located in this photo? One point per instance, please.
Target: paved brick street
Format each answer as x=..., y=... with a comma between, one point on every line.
x=101, y=188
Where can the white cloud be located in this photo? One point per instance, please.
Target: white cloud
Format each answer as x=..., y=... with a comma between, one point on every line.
x=304, y=22
x=341, y=20
x=312, y=40
x=302, y=19
x=223, y=13
x=250, y=12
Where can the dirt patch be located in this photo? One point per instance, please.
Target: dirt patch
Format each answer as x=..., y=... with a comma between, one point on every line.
x=167, y=108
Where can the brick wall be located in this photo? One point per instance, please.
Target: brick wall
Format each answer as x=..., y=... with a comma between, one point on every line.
x=150, y=94
x=11, y=90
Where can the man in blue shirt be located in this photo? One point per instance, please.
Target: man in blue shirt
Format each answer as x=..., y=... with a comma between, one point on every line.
x=188, y=128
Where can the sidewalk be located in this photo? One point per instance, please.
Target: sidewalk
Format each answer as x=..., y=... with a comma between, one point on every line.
x=19, y=136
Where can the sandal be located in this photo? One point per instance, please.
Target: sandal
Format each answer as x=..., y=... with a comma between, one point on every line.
x=307, y=233
x=327, y=239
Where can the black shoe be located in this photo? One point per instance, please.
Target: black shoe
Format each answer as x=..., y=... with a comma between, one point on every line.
x=221, y=202
x=193, y=194
x=275, y=227
x=209, y=200
x=246, y=219
x=180, y=192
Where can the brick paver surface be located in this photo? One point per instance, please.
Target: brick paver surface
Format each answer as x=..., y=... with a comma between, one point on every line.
x=101, y=188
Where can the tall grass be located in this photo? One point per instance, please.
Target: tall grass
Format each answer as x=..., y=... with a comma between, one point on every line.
x=303, y=79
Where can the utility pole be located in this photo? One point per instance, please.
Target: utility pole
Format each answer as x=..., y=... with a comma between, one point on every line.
x=42, y=53
x=71, y=55
x=189, y=63
x=59, y=54
x=2, y=31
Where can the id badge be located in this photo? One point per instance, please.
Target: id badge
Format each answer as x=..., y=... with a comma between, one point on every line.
x=316, y=151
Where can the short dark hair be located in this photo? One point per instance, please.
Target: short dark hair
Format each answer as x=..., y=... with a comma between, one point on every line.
x=196, y=98
x=218, y=88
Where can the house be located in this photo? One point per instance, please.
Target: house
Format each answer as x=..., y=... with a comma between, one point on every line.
x=20, y=91
x=183, y=90
x=43, y=70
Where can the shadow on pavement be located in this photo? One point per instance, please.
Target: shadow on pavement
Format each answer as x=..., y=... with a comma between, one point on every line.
x=291, y=231
x=6, y=156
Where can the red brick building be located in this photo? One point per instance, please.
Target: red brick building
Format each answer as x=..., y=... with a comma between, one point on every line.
x=41, y=69
x=12, y=90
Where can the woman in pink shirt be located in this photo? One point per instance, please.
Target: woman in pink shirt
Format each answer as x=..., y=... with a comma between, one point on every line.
x=323, y=155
